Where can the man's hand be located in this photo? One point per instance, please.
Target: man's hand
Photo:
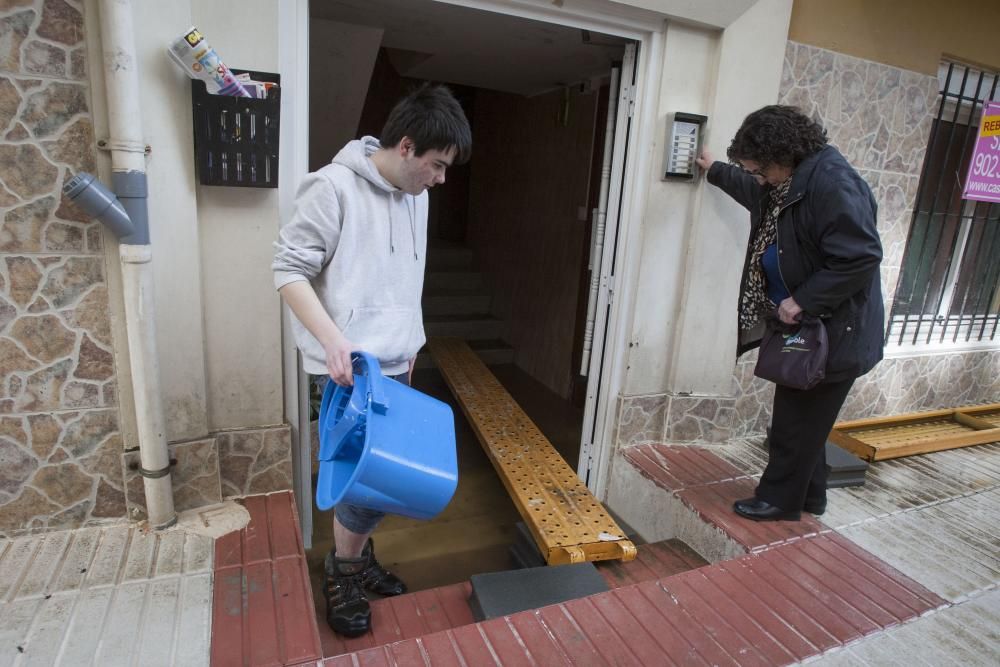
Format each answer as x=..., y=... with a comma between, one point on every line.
x=789, y=312
x=338, y=360
x=409, y=373
x=704, y=160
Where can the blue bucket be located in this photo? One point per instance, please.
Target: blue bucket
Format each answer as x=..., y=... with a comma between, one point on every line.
x=385, y=446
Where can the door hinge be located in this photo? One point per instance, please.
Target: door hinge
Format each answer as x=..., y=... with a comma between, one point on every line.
x=631, y=101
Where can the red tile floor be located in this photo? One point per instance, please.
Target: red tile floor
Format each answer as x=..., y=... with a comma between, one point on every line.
x=800, y=591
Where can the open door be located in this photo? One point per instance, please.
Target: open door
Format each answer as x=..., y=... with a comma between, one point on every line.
x=607, y=218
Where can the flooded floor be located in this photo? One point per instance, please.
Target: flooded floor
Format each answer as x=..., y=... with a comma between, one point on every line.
x=472, y=535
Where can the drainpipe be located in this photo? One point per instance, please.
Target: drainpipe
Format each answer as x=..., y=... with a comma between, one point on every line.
x=129, y=183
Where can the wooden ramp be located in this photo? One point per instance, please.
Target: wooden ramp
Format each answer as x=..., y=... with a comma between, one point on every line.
x=918, y=433
x=567, y=522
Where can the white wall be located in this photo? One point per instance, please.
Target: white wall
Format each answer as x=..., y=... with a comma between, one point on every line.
x=689, y=64
x=750, y=61
x=173, y=218
x=694, y=236
x=714, y=13
x=237, y=227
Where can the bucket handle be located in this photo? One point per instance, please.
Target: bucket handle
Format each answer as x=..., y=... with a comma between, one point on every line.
x=367, y=362
x=372, y=396
x=352, y=418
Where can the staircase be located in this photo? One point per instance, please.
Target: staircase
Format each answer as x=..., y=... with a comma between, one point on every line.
x=456, y=303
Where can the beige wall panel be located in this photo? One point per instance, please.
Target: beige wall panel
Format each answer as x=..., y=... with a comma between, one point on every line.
x=907, y=34
x=237, y=229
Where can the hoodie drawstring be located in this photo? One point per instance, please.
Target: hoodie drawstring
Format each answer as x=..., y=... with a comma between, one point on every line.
x=411, y=209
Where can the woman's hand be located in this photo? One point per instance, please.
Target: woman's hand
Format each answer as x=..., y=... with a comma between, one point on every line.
x=789, y=312
x=704, y=160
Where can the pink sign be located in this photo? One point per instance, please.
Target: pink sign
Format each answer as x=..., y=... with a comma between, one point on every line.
x=983, y=181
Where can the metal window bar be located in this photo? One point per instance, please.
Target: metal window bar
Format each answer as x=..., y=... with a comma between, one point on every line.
x=951, y=267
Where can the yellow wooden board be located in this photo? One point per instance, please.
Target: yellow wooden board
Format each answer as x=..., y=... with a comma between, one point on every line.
x=567, y=522
x=919, y=432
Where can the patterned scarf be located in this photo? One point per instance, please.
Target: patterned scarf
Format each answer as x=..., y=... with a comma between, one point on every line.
x=754, y=301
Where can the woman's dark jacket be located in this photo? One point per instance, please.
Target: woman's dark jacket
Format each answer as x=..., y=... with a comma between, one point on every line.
x=828, y=252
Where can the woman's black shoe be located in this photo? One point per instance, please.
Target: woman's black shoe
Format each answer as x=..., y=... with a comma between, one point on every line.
x=376, y=578
x=814, y=508
x=758, y=510
x=347, y=609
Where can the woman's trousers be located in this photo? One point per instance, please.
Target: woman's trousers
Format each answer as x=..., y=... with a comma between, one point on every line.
x=801, y=421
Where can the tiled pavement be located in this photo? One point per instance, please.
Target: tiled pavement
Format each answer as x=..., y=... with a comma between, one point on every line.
x=901, y=571
x=932, y=518
x=106, y=596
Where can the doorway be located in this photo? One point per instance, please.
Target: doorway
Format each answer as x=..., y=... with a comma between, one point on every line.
x=512, y=247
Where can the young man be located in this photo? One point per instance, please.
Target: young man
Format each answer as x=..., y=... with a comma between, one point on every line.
x=350, y=265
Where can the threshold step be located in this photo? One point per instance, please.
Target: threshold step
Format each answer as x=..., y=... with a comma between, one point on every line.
x=452, y=302
x=496, y=594
x=457, y=280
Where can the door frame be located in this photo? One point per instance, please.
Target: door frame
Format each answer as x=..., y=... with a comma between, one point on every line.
x=647, y=29
x=293, y=165
x=643, y=27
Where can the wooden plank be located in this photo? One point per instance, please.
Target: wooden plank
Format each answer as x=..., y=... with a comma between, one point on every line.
x=853, y=445
x=954, y=442
x=992, y=416
x=992, y=409
x=918, y=433
x=972, y=422
x=567, y=522
x=918, y=417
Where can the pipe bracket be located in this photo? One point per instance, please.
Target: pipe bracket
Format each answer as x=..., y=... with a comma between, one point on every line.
x=154, y=474
x=124, y=146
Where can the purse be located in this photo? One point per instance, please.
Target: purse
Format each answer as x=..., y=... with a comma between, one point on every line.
x=793, y=355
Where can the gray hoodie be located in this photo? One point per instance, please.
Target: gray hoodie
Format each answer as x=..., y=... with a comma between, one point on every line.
x=360, y=242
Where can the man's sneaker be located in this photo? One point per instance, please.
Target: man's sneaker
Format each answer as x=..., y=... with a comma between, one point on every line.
x=347, y=609
x=377, y=579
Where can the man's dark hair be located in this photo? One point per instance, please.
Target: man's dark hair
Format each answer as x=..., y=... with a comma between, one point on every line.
x=779, y=135
x=433, y=119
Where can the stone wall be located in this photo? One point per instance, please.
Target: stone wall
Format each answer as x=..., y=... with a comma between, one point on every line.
x=60, y=446
x=880, y=118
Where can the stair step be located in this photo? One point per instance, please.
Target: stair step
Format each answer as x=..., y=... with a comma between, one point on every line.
x=455, y=280
x=492, y=352
x=441, y=302
x=471, y=326
x=450, y=257
x=496, y=594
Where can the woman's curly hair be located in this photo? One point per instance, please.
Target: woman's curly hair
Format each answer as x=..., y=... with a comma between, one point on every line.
x=777, y=134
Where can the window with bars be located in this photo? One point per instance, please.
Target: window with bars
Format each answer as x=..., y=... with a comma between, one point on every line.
x=948, y=285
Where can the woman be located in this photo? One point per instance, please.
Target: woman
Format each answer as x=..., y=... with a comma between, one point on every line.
x=813, y=249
